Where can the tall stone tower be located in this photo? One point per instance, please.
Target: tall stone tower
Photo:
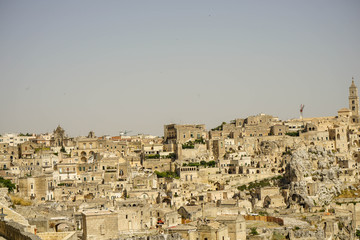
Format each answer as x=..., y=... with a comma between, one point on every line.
x=353, y=99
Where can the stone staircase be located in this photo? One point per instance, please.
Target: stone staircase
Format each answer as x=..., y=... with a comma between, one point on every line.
x=14, y=216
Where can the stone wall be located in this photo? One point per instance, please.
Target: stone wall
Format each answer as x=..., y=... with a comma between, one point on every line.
x=173, y=236
x=58, y=236
x=265, y=219
x=15, y=231
x=160, y=165
x=42, y=224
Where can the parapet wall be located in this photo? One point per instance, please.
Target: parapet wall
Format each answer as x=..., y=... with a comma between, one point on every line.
x=15, y=231
x=265, y=219
x=174, y=236
x=58, y=236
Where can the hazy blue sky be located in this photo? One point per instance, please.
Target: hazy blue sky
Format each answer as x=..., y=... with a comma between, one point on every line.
x=137, y=65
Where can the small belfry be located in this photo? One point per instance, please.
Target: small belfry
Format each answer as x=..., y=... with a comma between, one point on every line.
x=353, y=99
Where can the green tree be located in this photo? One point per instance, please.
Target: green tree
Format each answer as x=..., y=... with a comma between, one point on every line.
x=7, y=183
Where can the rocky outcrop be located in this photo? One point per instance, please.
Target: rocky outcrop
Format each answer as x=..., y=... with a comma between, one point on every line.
x=312, y=177
x=267, y=147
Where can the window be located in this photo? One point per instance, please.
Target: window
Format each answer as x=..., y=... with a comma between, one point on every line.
x=102, y=229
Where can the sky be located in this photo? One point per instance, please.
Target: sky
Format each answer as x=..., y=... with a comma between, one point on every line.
x=110, y=66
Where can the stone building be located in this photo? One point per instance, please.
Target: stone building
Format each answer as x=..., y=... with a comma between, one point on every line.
x=236, y=226
x=37, y=187
x=176, y=135
x=100, y=225
x=59, y=138
x=354, y=102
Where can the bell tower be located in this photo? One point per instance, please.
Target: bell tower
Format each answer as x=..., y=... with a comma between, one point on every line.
x=353, y=99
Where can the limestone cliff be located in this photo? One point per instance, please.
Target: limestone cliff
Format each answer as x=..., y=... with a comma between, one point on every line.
x=312, y=177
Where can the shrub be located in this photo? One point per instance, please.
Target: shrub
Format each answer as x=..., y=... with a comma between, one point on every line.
x=253, y=231
x=188, y=145
x=199, y=141
x=20, y=201
x=293, y=134
x=194, y=164
x=263, y=213
x=167, y=174
x=219, y=128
